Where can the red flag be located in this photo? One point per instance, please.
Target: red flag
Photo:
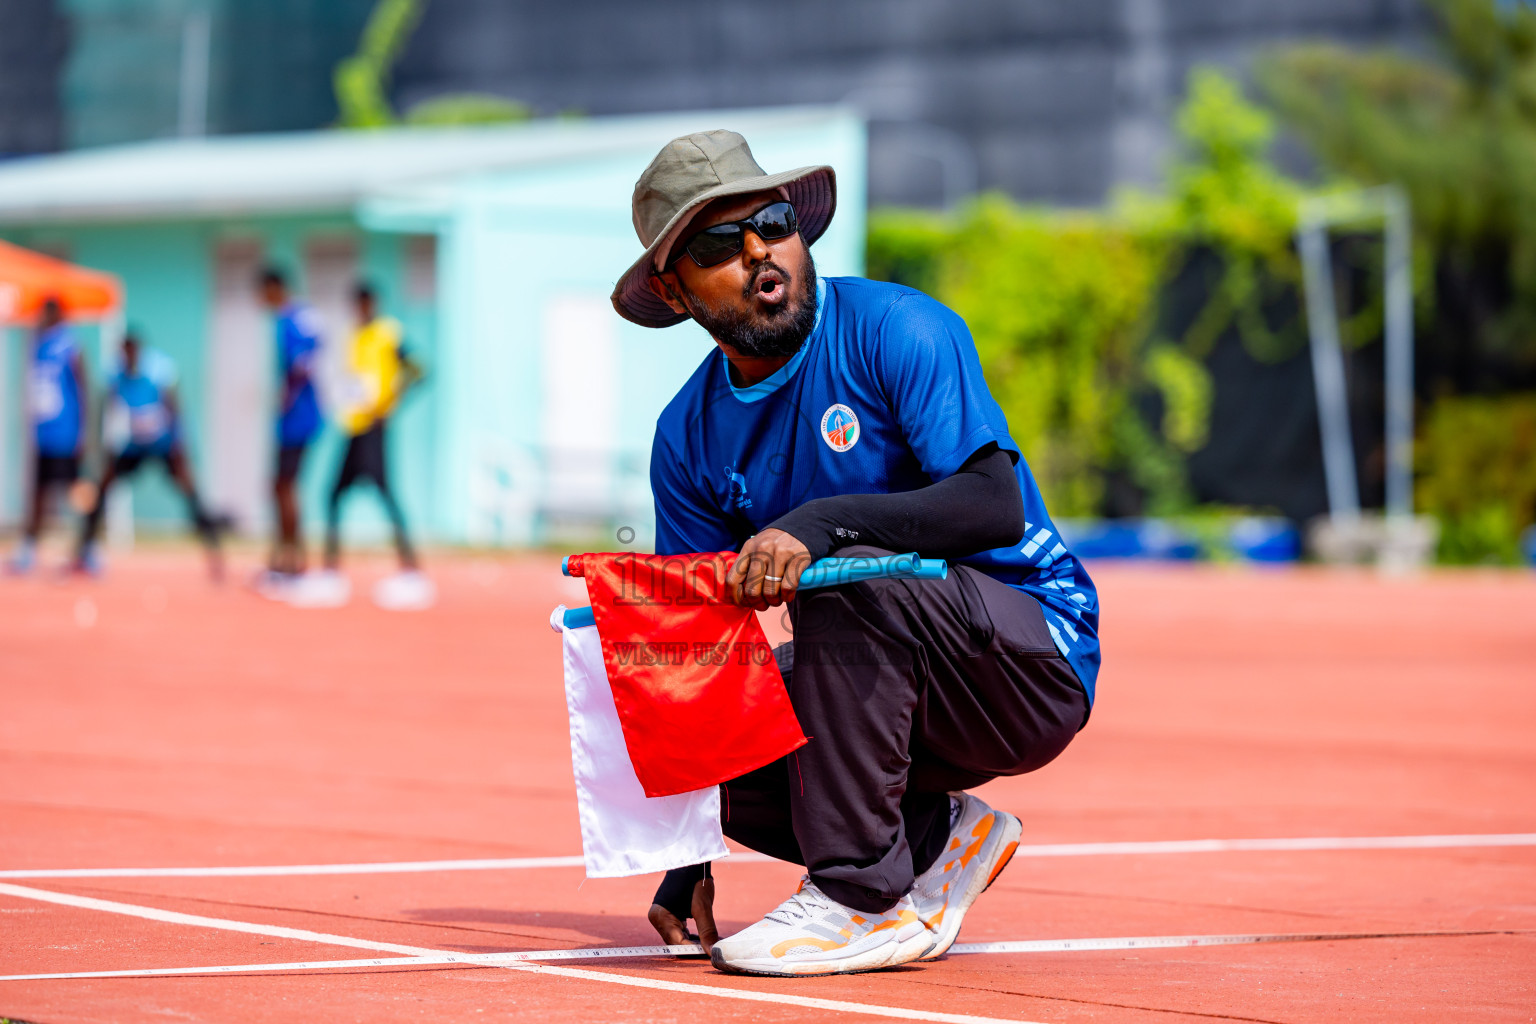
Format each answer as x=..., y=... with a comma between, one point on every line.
x=699, y=696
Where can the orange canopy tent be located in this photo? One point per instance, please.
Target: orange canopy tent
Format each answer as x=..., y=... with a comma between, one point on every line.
x=28, y=278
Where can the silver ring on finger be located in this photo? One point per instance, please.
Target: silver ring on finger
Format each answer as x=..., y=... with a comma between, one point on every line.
x=773, y=579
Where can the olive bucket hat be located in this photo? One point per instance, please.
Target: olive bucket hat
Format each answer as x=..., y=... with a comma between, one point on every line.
x=688, y=173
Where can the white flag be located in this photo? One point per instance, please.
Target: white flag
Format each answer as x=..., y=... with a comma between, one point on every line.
x=623, y=831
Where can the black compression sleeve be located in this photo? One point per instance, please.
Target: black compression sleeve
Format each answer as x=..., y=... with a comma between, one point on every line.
x=977, y=509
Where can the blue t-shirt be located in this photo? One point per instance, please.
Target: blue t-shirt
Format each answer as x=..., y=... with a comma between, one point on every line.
x=886, y=395
x=150, y=425
x=53, y=393
x=298, y=346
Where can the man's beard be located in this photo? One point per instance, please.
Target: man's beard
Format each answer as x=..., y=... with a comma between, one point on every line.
x=772, y=331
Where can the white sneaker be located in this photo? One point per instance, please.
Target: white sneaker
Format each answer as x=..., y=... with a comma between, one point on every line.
x=811, y=933
x=274, y=586
x=981, y=842
x=407, y=591
x=324, y=589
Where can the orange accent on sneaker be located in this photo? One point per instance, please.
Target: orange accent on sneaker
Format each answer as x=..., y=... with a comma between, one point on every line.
x=981, y=831
x=905, y=917
x=805, y=940
x=1002, y=861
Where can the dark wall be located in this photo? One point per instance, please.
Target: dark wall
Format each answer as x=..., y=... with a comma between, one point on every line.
x=1265, y=449
x=274, y=59
x=270, y=65
x=1053, y=100
x=34, y=41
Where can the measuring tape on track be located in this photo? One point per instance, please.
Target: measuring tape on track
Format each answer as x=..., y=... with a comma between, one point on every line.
x=1185, y=941
x=694, y=950
x=464, y=959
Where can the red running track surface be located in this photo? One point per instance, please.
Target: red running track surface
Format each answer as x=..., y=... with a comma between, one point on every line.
x=153, y=720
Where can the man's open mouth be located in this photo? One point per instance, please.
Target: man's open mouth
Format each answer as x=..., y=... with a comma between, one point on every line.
x=769, y=287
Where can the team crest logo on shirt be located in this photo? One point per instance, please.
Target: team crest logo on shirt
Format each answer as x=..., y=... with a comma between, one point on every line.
x=738, y=488
x=839, y=428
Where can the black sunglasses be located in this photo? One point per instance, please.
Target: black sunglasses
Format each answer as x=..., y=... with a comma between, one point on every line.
x=720, y=242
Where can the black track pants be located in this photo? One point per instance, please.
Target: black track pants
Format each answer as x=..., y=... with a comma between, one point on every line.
x=365, y=459
x=907, y=689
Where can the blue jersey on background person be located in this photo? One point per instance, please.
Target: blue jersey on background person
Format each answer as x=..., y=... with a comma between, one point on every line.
x=298, y=422
x=141, y=425
x=150, y=426
x=54, y=394
x=298, y=346
x=56, y=409
x=886, y=395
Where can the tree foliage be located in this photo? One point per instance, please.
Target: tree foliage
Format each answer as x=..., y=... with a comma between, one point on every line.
x=1477, y=463
x=1064, y=307
x=467, y=108
x=1224, y=195
x=361, y=81
x=1457, y=130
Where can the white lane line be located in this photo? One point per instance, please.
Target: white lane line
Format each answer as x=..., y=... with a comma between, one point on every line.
x=1039, y=850
x=397, y=867
x=651, y=952
x=718, y=992
x=173, y=917
x=783, y=999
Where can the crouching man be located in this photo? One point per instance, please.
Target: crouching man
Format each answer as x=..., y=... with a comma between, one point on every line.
x=851, y=416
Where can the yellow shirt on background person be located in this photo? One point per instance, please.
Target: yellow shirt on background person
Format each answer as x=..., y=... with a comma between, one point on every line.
x=373, y=360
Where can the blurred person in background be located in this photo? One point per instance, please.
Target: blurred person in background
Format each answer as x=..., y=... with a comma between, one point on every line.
x=143, y=392
x=57, y=403
x=380, y=371
x=298, y=420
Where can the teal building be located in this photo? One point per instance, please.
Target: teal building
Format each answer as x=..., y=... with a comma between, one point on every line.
x=495, y=246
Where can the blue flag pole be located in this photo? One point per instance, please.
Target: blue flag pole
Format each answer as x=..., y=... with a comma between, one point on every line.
x=827, y=572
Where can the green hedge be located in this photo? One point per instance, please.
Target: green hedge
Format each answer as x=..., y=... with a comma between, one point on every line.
x=1476, y=462
x=1455, y=127
x=1063, y=305
x=1057, y=305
